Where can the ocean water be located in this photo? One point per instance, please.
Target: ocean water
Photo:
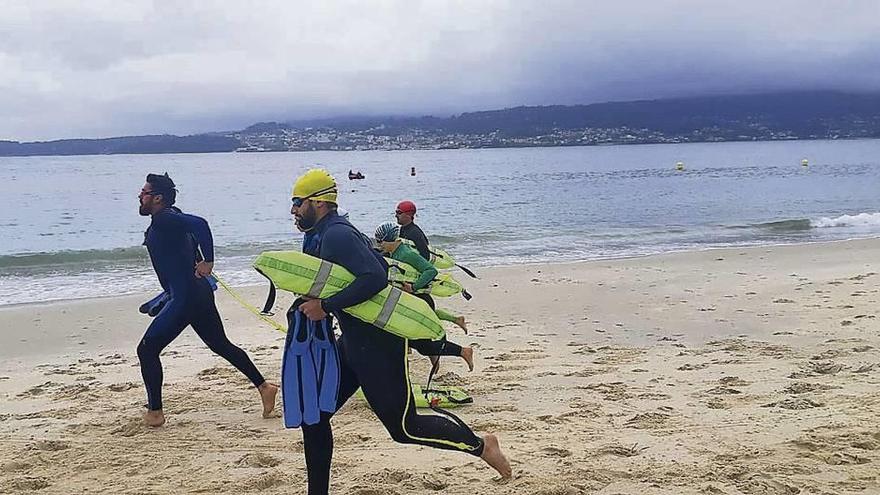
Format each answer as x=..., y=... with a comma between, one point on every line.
x=70, y=227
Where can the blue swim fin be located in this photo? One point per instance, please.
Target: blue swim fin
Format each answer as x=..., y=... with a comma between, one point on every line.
x=326, y=358
x=155, y=305
x=298, y=373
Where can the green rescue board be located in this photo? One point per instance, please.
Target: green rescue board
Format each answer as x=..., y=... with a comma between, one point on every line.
x=443, y=285
x=391, y=309
x=439, y=258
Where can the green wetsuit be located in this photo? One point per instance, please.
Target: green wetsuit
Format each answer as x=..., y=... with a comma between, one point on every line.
x=426, y=270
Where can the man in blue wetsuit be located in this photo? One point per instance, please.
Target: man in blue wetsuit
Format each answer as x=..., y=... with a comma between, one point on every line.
x=369, y=357
x=181, y=249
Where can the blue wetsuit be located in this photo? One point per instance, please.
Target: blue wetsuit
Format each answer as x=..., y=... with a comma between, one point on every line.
x=173, y=241
x=370, y=358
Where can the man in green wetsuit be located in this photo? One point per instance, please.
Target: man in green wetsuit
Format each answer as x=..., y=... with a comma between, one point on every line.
x=390, y=244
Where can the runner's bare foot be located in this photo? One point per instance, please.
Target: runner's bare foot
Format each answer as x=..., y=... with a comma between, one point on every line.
x=463, y=324
x=268, y=391
x=494, y=457
x=467, y=353
x=155, y=418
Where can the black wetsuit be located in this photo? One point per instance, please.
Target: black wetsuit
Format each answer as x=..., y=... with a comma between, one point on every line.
x=441, y=347
x=415, y=234
x=427, y=347
x=370, y=358
x=173, y=241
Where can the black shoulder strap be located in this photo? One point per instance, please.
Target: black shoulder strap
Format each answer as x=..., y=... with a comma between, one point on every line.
x=270, y=298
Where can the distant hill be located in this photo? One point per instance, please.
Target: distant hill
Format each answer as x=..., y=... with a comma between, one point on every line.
x=804, y=114
x=202, y=143
x=793, y=115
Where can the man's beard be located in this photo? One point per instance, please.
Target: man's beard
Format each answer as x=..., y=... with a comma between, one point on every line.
x=307, y=220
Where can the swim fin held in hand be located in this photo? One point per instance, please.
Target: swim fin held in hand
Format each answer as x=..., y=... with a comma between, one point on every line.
x=155, y=305
x=310, y=369
x=326, y=357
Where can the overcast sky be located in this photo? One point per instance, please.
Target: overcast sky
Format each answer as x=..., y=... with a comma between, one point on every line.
x=105, y=68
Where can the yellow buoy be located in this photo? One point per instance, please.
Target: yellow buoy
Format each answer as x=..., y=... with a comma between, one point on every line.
x=804, y=162
x=679, y=166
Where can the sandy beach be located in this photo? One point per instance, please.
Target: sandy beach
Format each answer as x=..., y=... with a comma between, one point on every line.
x=736, y=371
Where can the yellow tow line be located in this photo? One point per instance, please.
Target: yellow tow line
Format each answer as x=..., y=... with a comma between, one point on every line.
x=248, y=306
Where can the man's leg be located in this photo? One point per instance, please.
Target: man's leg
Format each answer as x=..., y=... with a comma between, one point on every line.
x=318, y=438
x=384, y=376
x=165, y=327
x=207, y=324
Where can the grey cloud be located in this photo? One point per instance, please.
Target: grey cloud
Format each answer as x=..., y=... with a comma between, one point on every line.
x=109, y=68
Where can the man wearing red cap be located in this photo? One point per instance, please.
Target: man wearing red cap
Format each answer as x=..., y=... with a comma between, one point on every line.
x=405, y=213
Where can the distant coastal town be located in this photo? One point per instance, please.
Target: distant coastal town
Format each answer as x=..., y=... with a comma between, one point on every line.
x=314, y=139
x=768, y=117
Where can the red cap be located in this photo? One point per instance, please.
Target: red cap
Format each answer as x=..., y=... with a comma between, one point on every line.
x=406, y=207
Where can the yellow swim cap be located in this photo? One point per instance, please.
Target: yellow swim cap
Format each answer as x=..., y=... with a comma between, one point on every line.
x=316, y=184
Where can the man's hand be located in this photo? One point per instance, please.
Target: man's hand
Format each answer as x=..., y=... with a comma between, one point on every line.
x=313, y=310
x=204, y=268
x=407, y=287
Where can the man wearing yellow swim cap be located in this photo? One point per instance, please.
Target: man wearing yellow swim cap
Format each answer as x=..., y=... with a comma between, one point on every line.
x=369, y=357
x=313, y=195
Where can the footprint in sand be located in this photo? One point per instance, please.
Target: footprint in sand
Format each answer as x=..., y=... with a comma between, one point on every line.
x=131, y=428
x=814, y=368
x=613, y=391
x=373, y=491
x=817, y=441
x=51, y=445
x=432, y=482
x=264, y=481
x=763, y=484
x=805, y=387
x=621, y=451
x=648, y=420
x=386, y=475
x=587, y=372
x=829, y=354
x=723, y=391
x=122, y=387
x=38, y=390
x=718, y=403
x=843, y=458
x=865, y=368
x=28, y=484
x=257, y=460
x=75, y=391
x=521, y=354
x=795, y=404
x=15, y=467
x=733, y=381
x=216, y=373
x=692, y=367
x=555, y=452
